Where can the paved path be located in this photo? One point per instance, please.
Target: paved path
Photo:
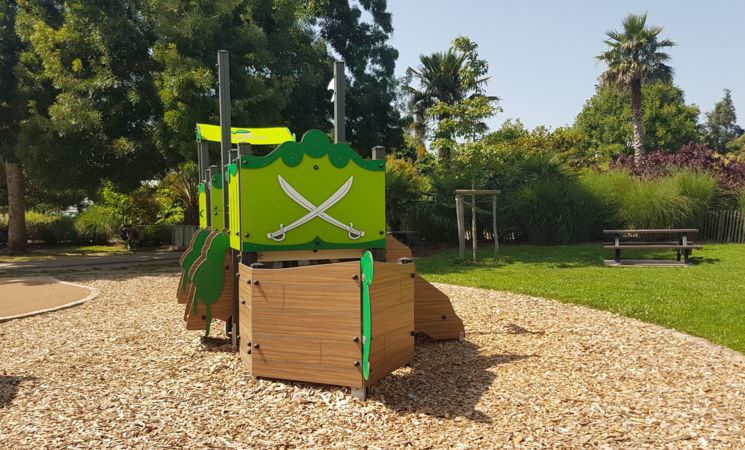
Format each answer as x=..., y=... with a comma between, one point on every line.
x=28, y=296
x=78, y=262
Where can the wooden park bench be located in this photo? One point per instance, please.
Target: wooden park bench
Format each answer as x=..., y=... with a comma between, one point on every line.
x=682, y=246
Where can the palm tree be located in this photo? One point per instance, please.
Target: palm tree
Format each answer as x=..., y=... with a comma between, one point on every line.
x=439, y=80
x=442, y=78
x=634, y=58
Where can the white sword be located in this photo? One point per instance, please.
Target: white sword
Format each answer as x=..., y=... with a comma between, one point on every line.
x=305, y=203
x=279, y=235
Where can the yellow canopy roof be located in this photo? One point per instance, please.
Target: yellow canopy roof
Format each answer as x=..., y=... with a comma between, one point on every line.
x=254, y=136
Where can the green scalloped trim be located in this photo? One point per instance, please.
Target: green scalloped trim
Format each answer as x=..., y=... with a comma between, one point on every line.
x=199, y=135
x=315, y=244
x=201, y=188
x=315, y=144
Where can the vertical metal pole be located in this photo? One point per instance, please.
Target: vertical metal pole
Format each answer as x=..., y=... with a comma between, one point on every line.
x=378, y=152
x=461, y=225
x=494, y=225
x=339, y=119
x=223, y=79
x=200, y=161
x=204, y=154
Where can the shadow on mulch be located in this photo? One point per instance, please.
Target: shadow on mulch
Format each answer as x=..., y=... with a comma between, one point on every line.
x=9, y=388
x=447, y=380
x=217, y=345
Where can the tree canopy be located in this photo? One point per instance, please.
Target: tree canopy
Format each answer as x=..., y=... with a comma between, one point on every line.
x=669, y=122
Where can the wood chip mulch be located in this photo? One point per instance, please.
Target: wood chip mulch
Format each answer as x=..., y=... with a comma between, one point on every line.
x=121, y=372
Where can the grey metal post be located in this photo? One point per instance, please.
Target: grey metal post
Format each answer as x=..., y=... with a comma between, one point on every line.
x=378, y=152
x=223, y=79
x=200, y=161
x=339, y=119
x=244, y=148
x=204, y=155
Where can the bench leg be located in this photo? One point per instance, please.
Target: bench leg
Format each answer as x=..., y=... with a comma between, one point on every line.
x=617, y=254
x=677, y=257
x=687, y=254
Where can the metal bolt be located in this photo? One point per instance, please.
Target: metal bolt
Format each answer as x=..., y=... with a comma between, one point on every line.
x=355, y=277
x=243, y=302
x=356, y=339
x=356, y=364
x=256, y=282
x=444, y=317
x=413, y=275
x=256, y=345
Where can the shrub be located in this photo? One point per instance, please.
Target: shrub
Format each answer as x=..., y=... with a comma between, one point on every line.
x=655, y=204
x=558, y=211
x=740, y=198
x=98, y=224
x=729, y=172
x=50, y=228
x=701, y=190
x=403, y=186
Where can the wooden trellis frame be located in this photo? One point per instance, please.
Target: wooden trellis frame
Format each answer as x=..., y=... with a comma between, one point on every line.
x=459, y=208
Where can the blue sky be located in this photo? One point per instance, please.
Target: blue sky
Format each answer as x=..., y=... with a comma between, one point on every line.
x=542, y=53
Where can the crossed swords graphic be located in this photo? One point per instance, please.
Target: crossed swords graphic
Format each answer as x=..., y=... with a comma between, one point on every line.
x=315, y=211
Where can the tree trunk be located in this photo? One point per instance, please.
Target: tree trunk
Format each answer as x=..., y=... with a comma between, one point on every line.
x=636, y=110
x=17, y=238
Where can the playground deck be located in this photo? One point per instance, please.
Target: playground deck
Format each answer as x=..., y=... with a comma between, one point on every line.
x=122, y=371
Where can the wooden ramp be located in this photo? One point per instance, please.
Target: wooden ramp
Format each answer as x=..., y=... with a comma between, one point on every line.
x=433, y=313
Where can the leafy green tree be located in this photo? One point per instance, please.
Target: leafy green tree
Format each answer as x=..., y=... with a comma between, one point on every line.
x=721, y=123
x=279, y=68
x=451, y=95
x=372, y=87
x=635, y=57
x=669, y=122
x=178, y=189
x=11, y=113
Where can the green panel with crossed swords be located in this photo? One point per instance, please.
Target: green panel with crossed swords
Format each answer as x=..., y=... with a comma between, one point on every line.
x=312, y=195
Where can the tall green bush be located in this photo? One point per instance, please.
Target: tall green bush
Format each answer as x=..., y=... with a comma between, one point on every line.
x=403, y=186
x=702, y=191
x=740, y=199
x=558, y=210
x=50, y=228
x=655, y=204
x=98, y=224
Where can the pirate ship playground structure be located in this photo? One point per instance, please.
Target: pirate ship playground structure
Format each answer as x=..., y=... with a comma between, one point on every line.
x=292, y=253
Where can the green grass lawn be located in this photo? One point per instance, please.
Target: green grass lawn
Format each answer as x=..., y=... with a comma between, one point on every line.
x=54, y=252
x=706, y=299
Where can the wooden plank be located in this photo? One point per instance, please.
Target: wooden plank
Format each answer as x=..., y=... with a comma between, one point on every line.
x=310, y=255
x=392, y=314
x=304, y=321
x=477, y=192
x=661, y=246
x=313, y=373
x=461, y=225
x=395, y=249
x=430, y=306
x=653, y=231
